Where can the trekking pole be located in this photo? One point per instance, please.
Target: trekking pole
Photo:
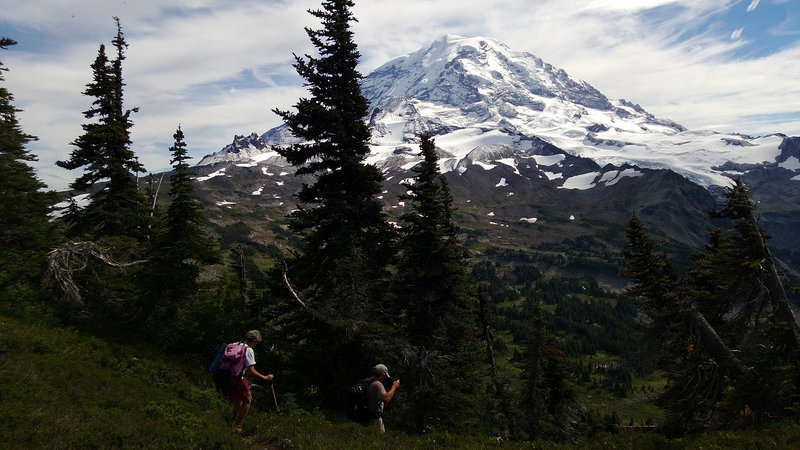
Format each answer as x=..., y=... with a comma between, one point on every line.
x=274, y=398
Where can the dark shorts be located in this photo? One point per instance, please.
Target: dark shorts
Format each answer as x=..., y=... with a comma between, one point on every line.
x=237, y=391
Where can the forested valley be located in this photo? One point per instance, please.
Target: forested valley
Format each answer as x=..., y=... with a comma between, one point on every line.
x=131, y=295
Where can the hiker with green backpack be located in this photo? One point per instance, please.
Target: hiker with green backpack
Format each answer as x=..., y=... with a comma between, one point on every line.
x=234, y=362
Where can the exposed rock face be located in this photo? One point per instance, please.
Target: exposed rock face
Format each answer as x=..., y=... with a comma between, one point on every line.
x=527, y=141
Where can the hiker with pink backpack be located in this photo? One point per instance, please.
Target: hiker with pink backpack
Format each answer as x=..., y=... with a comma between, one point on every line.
x=234, y=362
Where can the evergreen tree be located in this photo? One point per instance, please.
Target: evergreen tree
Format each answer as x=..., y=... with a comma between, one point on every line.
x=103, y=151
x=742, y=360
x=545, y=397
x=182, y=246
x=341, y=267
x=114, y=229
x=185, y=229
x=431, y=269
x=657, y=285
x=25, y=229
x=440, y=319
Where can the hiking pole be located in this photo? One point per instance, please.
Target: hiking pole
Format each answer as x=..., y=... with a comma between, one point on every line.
x=274, y=398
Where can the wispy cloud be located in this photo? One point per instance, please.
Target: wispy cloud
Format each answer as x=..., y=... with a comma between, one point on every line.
x=219, y=67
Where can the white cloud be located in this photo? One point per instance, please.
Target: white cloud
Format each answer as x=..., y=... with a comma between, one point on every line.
x=218, y=67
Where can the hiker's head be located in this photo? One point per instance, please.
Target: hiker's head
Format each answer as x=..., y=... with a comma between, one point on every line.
x=253, y=336
x=380, y=370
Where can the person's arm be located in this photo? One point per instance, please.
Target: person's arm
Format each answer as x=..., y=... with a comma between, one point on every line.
x=254, y=373
x=387, y=397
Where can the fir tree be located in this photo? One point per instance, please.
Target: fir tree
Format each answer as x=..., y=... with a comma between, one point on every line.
x=340, y=269
x=184, y=216
x=657, y=285
x=103, y=152
x=431, y=269
x=25, y=229
x=744, y=356
x=545, y=397
x=440, y=319
x=182, y=246
x=114, y=229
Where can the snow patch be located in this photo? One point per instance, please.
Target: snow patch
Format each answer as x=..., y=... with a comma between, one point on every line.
x=264, y=156
x=409, y=165
x=613, y=177
x=581, y=182
x=486, y=166
x=510, y=162
x=553, y=176
x=548, y=160
x=218, y=173
x=59, y=209
x=791, y=163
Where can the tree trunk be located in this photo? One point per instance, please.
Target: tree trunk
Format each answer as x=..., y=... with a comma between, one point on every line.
x=775, y=292
x=713, y=344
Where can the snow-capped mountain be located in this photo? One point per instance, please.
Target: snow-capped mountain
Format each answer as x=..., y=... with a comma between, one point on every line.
x=507, y=124
x=473, y=92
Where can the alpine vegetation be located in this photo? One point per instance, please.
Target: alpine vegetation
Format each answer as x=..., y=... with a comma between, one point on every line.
x=538, y=264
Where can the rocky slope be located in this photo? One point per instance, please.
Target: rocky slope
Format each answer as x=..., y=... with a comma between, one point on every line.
x=533, y=156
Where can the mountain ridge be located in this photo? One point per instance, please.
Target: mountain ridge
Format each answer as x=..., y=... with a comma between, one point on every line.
x=477, y=86
x=512, y=132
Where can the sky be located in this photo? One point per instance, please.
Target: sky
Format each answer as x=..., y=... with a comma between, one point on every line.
x=217, y=68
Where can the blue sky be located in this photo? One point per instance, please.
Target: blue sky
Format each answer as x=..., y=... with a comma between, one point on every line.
x=218, y=67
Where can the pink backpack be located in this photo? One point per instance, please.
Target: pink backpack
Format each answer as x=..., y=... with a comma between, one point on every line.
x=231, y=365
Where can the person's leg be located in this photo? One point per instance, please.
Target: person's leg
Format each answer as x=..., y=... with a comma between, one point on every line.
x=237, y=405
x=377, y=423
x=244, y=406
x=241, y=404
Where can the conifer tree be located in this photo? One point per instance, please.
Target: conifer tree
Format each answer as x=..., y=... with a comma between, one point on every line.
x=341, y=267
x=545, y=398
x=103, y=152
x=440, y=318
x=181, y=246
x=657, y=284
x=25, y=229
x=740, y=361
x=113, y=231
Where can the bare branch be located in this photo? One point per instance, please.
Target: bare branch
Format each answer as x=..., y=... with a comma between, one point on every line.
x=73, y=257
x=297, y=298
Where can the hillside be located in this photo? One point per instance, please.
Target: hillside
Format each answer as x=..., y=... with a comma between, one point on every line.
x=65, y=389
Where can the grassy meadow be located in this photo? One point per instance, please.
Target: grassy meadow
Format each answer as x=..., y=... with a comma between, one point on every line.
x=60, y=389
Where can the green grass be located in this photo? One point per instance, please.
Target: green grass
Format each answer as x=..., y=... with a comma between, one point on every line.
x=63, y=389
